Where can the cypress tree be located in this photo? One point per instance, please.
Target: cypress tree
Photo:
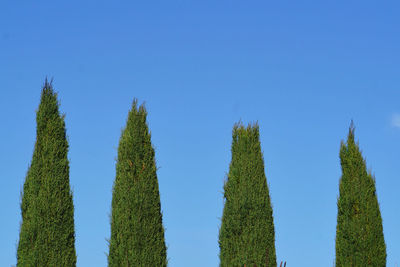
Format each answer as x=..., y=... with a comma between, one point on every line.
x=359, y=232
x=47, y=235
x=137, y=232
x=247, y=234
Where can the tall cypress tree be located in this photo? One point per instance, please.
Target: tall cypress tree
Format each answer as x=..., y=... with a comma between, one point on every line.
x=247, y=234
x=359, y=232
x=47, y=235
x=137, y=232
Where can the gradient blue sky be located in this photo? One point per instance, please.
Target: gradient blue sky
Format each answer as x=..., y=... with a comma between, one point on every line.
x=302, y=70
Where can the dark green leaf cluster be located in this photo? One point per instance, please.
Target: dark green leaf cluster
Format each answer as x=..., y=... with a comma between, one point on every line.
x=137, y=233
x=47, y=235
x=359, y=233
x=247, y=234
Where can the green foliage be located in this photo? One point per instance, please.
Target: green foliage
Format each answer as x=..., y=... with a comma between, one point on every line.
x=247, y=234
x=359, y=232
x=137, y=233
x=47, y=235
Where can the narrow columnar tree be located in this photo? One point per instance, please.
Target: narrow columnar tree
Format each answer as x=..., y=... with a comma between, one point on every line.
x=247, y=234
x=47, y=235
x=359, y=232
x=137, y=232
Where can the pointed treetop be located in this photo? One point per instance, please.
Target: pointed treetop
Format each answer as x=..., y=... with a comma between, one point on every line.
x=352, y=129
x=239, y=125
x=239, y=130
x=48, y=110
x=48, y=95
x=134, y=103
x=350, y=142
x=48, y=87
x=137, y=114
x=138, y=110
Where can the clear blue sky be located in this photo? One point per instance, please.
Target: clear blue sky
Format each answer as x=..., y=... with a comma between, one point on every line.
x=302, y=70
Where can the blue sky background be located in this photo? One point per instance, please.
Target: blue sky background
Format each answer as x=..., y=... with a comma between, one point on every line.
x=302, y=70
